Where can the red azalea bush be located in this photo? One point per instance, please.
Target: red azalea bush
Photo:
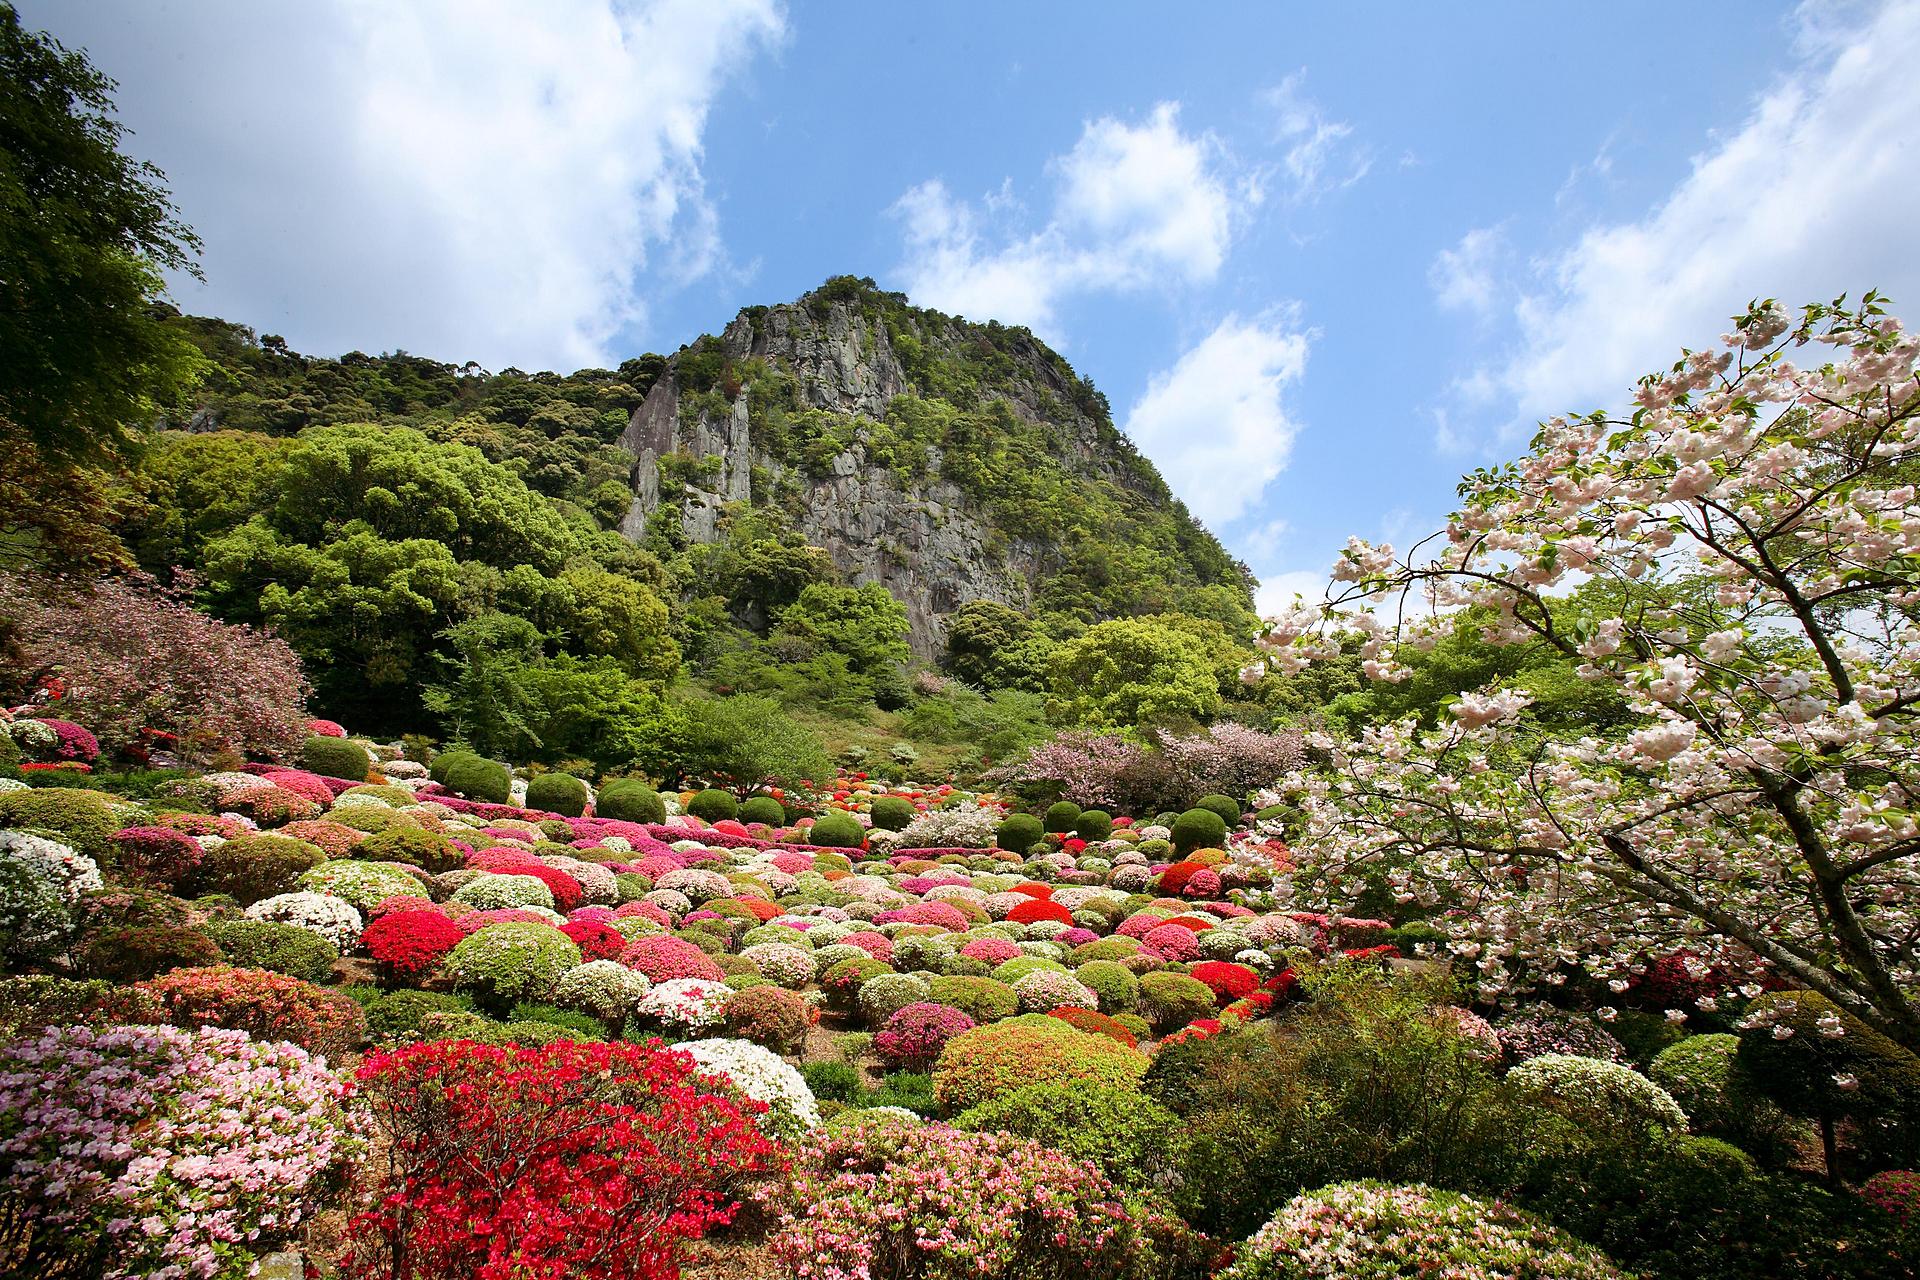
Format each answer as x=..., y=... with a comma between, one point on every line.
x=567, y=1160
x=325, y=729
x=1229, y=981
x=1034, y=910
x=267, y=1006
x=595, y=940
x=1898, y=1192
x=915, y=1035
x=410, y=944
x=1098, y=1023
x=877, y=945
x=567, y=893
x=157, y=856
x=71, y=742
x=663, y=959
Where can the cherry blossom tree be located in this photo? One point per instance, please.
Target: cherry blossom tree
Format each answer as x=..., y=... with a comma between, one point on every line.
x=1753, y=525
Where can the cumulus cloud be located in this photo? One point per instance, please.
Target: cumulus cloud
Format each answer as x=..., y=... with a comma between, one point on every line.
x=475, y=180
x=1133, y=206
x=1815, y=193
x=1464, y=277
x=1321, y=154
x=1215, y=421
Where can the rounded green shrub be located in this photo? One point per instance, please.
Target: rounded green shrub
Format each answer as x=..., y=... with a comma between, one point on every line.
x=1602, y=1105
x=335, y=758
x=504, y=964
x=837, y=830
x=630, y=800
x=441, y=764
x=1060, y=816
x=714, y=805
x=364, y=885
x=1198, y=829
x=1093, y=824
x=1859, y=1074
x=891, y=813
x=473, y=777
x=416, y=846
x=1170, y=1001
x=395, y=1017
x=989, y=1062
x=275, y=947
x=982, y=999
x=1226, y=807
x=254, y=867
x=1112, y=983
x=1018, y=833
x=81, y=819
x=763, y=809
x=1133, y=1139
x=560, y=793
x=134, y=953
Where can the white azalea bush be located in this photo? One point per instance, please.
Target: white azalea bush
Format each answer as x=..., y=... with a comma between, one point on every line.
x=762, y=1075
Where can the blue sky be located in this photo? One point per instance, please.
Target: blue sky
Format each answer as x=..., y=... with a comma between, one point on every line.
x=1321, y=259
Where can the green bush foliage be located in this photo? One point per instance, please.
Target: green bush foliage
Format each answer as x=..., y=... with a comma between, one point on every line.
x=892, y=813
x=278, y=948
x=763, y=809
x=79, y=818
x=1060, y=816
x=988, y=1062
x=1198, y=829
x=254, y=867
x=1093, y=825
x=630, y=800
x=334, y=758
x=1134, y=1140
x=428, y=850
x=473, y=777
x=714, y=805
x=1018, y=833
x=836, y=830
x=1227, y=807
x=560, y=793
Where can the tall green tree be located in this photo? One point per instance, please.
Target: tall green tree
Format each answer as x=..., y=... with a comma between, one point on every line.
x=85, y=356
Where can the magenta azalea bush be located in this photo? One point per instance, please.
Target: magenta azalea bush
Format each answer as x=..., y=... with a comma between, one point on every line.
x=160, y=1152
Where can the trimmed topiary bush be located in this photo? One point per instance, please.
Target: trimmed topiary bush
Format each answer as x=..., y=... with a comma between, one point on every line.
x=1093, y=824
x=504, y=964
x=335, y=758
x=1603, y=1104
x=1378, y=1231
x=714, y=805
x=560, y=793
x=131, y=953
x=362, y=885
x=1060, y=816
x=988, y=1062
x=1112, y=983
x=837, y=830
x=1018, y=833
x=891, y=813
x=1198, y=829
x=1169, y=1001
x=83, y=820
x=267, y=1006
x=1131, y=1138
x=980, y=998
x=473, y=777
x=275, y=947
x=428, y=850
x=253, y=868
x=630, y=800
x=1228, y=809
x=763, y=809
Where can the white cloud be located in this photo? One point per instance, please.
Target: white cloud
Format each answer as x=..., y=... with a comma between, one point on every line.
x=1134, y=206
x=1816, y=193
x=471, y=180
x=1276, y=591
x=1321, y=155
x=1464, y=277
x=1214, y=423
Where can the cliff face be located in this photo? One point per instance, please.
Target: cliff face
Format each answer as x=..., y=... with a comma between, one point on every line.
x=867, y=424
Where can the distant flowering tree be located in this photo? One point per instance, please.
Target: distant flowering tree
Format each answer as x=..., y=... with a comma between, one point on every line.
x=1229, y=758
x=134, y=660
x=1756, y=520
x=1093, y=769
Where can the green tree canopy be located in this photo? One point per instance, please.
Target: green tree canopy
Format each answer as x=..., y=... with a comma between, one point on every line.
x=1131, y=672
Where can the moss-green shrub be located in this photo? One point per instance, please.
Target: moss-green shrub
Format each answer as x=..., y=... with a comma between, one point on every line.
x=714, y=805
x=1019, y=967
x=892, y=813
x=989, y=1062
x=428, y=850
x=1170, y=1001
x=1703, y=1075
x=134, y=953
x=1805, y=1073
x=36, y=1001
x=1018, y=833
x=363, y=884
x=1060, y=816
x=1133, y=1139
x=254, y=867
x=503, y=964
x=1226, y=807
x=335, y=758
x=441, y=764
x=1093, y=824
x=1112, y=983
x=275, y=947
x=982, y=999
x=395, y=1017
x=837, y=830
x=763, y=809
x=557, y=793
x=77, y=817
x=476, y=778
x=1198, y=829
x=630, y=800
x=386, y=792
x=832, y=1081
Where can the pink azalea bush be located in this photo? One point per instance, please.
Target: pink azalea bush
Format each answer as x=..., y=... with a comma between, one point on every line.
x=915, y=1035
x=160, y=1152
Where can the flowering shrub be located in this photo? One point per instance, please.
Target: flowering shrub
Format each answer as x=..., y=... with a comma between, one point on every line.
x=1171, y=1000
x=963, y=826
x=664, y=959
x=886, y=993
x=41, y=881
x=267, y=1006
x=596, y=940
x=887, y=1202
x=777, y=962
x=1376, y=1231
x=770, y=1016
x=158, y=856
x=361, y=884
x=1227, y=981
x=1098, y=1023
x=603, y=989
x=504, y=964
x=1602, y=1102
x=330, y=917
x=1547, y=1030
x=790, y=1112
x=148, y=1151
x=980, y=1065
x=687, y=1004
x=1045, y=990
x=915, y=1035
x=566, y=1160
x=1898, y=1192
x=410, y=944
